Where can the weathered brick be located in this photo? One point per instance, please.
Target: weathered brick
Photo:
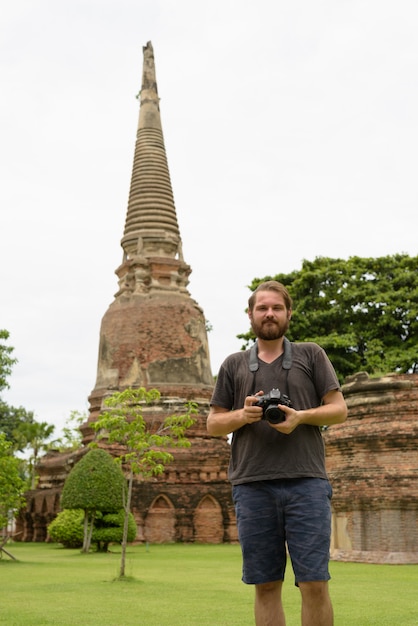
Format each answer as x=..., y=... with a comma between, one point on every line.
x=372, y=461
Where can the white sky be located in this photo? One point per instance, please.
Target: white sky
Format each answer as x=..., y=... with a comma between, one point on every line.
x=291, y=132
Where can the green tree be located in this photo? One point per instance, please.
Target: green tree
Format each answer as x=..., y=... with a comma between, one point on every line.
x=362, y=311
x=72, y=437
x=96, y=483
x=10, y=417
x=145, y=446
x=33, y=436
x=12, y=486
x=6, y=360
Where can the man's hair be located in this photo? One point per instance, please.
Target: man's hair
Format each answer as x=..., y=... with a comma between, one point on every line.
x=271, y=285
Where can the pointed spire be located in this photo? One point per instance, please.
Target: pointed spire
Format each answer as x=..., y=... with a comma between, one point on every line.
x=153, y=333
x=151, y=227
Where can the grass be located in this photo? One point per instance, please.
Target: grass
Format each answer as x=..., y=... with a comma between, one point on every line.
x=181, y=585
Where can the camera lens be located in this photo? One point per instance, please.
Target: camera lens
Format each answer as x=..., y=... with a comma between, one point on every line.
x=274, y=415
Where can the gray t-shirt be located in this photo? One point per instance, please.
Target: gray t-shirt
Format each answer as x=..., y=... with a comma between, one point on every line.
x=258, y=452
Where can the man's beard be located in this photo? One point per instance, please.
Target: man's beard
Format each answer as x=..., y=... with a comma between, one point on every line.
x=268, y=331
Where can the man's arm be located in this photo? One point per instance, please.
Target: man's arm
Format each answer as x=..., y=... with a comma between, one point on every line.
x=333, y=410
x=221, y=422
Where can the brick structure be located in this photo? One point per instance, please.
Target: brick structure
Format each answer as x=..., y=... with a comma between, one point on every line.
x=153, y=335
x=372, y=461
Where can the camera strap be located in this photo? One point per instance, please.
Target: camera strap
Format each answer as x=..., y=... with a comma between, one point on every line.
x=286, y=363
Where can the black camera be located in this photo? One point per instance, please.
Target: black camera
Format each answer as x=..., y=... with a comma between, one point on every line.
x=269, y=402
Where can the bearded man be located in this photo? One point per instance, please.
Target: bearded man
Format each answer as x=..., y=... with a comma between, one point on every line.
x=274, y=398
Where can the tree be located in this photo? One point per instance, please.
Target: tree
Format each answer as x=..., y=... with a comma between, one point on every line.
x=96, y=483
x=12, y=486
x=10, y=417
x=6, y=360
x=71, y=434
x=362, y=311
x=145, y=446
x=34, y=436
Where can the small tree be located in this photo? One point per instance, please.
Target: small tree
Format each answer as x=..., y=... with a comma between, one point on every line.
x=72, y=437
x=145, y=446
x=96, y=483
x=34, y=436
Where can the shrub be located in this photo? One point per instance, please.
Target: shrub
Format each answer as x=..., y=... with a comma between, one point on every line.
x=108, y=528
x=96, y=483
x=67, y=528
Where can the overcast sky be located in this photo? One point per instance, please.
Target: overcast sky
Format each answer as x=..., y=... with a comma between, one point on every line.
x=291, y=132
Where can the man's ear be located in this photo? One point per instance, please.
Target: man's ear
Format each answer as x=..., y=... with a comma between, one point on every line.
x=289, y=314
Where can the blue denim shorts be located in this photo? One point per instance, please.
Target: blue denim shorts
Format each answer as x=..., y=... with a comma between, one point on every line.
x=274, y=513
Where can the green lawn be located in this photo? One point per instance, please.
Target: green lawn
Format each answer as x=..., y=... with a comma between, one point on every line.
x=181, y=585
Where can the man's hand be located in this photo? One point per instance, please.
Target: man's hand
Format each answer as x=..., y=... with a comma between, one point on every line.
x=252, y=413
x=291, y=422
x=333, y=410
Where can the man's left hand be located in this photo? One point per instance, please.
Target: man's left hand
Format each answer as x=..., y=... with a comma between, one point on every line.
x=290, y=423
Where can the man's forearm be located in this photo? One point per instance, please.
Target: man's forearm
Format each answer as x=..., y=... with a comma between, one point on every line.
x=221, y=423
x=332, y=411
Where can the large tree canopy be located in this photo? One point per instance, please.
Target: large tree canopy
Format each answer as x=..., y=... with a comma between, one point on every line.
x=362, y=311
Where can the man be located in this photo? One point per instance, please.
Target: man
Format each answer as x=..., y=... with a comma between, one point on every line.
x=277, y=470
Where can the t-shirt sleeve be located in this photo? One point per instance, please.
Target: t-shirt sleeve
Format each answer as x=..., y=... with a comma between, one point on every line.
x=223, y=395
x=325, y=377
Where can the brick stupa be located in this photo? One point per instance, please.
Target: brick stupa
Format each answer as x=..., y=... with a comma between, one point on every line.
x=153, y=335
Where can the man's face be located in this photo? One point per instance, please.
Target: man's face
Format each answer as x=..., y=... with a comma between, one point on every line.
x=269, y=317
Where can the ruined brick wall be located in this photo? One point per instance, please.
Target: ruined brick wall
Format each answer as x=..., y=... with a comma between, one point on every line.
x=372, y=462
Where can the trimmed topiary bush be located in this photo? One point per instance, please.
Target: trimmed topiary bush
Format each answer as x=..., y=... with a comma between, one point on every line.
x=108, y=528
x=67, y=528
x=95, y=484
